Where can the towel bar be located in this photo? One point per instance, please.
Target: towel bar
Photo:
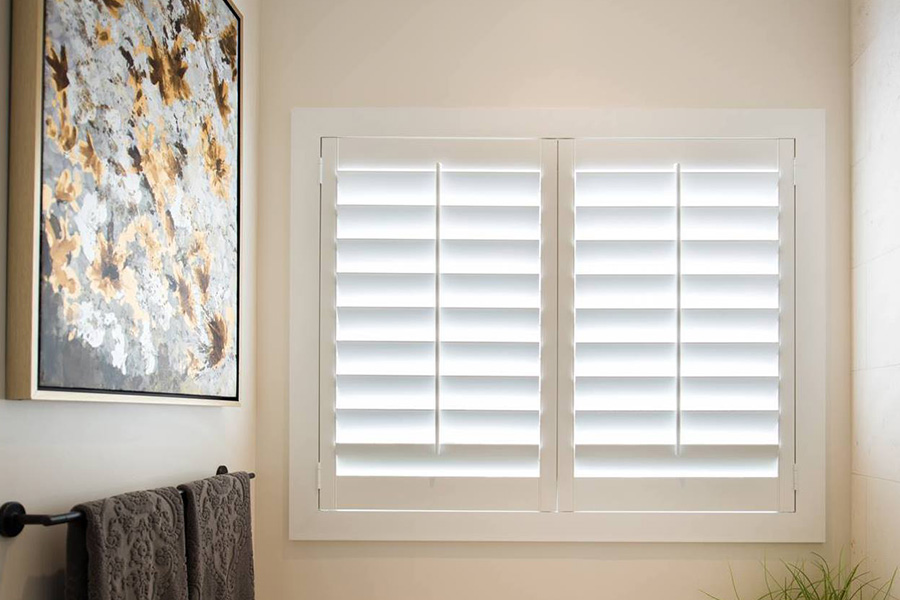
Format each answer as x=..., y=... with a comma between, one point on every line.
x=14, y=518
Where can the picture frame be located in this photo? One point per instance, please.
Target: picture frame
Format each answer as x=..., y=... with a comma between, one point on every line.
x=124, y=218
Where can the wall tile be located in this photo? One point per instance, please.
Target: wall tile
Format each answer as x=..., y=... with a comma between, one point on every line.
x=875, y=483
x=876, y=95
x=876, y=229
x=858, y=512
x=859, y=317
x=883, y=310
x=881, y=64
x=876, y=423
x=867, y=20
x=859, y=116
x=883, y=527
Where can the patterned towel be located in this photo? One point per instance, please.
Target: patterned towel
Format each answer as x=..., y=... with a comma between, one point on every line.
x=128, y=547
x=219, y=537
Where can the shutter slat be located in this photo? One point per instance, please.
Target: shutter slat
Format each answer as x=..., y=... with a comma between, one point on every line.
x=625, y=223
x=490, y=325
x=385, y=358
x=481, y=223
x=733, y=223
x=644, y=360
x=729, y=258
x=732, y=360
x=490, y=256
x=729, y=325
x=385, y=324
x=620, y=258
x=663, y=461
x=490, y=291
x=490, y=393
x=624, y=189
x=729, y=189
x=625, y=291
x=385, y=222
x=383, y=426
x=625, y=325
x=490, y=427
x=729, y=291
x=384, y=392
x=624, y=393
x=387, y=290
x=385, y=460
x=515, y=359
x=386, y=187
x=385, y=256
x=729, y=428
x=490, y=189
x=625, y=428
x=729, y=393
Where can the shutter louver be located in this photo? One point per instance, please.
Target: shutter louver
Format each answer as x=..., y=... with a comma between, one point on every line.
x=437, y=360
x=677, y=326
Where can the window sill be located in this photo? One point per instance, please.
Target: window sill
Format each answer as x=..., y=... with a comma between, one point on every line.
x=557, y=527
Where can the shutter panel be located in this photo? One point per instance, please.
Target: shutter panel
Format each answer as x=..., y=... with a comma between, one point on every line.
x=679, y=343
x=436, y=349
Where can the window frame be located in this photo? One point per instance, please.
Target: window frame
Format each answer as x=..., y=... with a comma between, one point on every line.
x=805, y=524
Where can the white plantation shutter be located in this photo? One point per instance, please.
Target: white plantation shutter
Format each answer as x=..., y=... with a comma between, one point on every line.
x=443, y=264
x=431, y=358
x=683, y=294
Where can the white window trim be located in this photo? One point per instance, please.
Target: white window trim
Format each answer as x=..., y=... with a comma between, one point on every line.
x=805, y=524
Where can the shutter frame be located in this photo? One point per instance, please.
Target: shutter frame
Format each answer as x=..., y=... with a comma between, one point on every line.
x=806, y=524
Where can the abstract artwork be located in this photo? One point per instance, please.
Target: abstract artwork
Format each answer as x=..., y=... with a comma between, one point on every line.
x=137, y=240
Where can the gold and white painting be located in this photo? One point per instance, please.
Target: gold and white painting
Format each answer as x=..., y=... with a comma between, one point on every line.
x=139, y=198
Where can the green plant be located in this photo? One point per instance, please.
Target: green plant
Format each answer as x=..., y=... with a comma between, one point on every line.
x=819, y=580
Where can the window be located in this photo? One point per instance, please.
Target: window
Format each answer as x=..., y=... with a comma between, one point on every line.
x=583, y=332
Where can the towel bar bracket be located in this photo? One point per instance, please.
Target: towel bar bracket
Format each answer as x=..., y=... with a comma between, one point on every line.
x=14, y=517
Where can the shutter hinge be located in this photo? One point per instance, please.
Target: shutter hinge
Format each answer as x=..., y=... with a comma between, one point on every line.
x=798, y=170
x=796, y=478
x=321, y=170
x=319, y=476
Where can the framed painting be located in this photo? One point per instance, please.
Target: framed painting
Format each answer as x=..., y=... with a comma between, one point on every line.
x=124, y=217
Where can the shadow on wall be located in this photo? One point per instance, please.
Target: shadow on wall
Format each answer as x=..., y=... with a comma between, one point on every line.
x=46, y=587
x=50, y=586
x=39, y=587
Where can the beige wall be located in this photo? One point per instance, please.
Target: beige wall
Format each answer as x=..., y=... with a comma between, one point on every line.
x=876, y=283
x=535, y=53
x=53, y=455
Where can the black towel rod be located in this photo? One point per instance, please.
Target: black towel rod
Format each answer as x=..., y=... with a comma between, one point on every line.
x=13, y=517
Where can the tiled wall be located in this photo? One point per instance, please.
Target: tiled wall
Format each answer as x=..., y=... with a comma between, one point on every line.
x=876, y=284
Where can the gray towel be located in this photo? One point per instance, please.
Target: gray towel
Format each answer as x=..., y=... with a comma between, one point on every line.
x=219, y=537
x=128, y=547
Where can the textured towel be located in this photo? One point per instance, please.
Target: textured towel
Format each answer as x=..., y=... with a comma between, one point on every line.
x=128, y=547
x=219, y=537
